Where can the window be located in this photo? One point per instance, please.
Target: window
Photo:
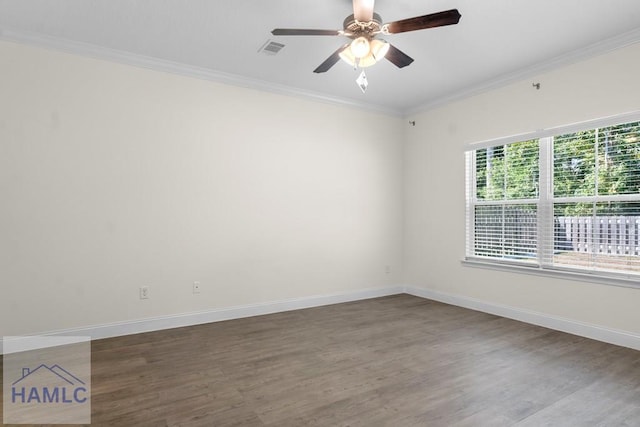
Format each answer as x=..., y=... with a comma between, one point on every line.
x=568, y=200
x=506, y=194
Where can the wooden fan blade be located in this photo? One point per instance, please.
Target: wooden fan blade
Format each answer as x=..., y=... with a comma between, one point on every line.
x=440, y=19
x=398, y=57
x=363, y=10
x=330, y=61
x=303, y=32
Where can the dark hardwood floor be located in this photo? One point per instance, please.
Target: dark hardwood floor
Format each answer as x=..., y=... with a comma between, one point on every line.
x=393, y=361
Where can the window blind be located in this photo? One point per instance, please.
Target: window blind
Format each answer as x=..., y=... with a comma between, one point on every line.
x=503, y=202
x=596, y=199
x=566, y=202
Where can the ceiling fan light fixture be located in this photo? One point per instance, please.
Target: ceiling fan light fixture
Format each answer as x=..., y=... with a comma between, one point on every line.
x=360, y=47
x=347, y=56
x=379, y=49
x=367, y=61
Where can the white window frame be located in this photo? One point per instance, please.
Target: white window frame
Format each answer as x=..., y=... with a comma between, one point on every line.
x=545, y=203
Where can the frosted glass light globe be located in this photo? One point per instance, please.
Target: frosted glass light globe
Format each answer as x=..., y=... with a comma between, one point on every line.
x=360, y=47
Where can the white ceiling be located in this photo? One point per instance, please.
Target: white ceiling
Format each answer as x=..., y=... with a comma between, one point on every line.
x=496, y=41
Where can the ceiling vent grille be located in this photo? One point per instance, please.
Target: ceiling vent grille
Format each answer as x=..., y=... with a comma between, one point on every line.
x=271, y=48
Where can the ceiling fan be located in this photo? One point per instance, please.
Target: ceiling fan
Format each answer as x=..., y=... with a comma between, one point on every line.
x=364, y=28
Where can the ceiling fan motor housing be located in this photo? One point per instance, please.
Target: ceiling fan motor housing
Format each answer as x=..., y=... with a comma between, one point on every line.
x=354, y=29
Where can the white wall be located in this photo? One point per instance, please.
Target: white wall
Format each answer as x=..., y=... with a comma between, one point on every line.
x=113, y=177
x=434, y=233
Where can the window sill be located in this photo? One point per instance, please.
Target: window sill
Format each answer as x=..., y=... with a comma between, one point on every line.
x=535, y=270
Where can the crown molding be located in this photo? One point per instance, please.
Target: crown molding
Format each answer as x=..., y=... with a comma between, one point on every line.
x=172, y=67
x=156, y=64
x=596, y=49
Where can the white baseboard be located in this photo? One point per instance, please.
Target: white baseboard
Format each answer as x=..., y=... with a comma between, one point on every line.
x=596, y=332
x=196, y=318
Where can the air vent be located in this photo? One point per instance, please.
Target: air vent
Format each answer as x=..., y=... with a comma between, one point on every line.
x=271, y=48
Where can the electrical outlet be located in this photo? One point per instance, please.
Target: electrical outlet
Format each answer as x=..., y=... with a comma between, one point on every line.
x=144, y=292
x=196, y=287
x=387, y=269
